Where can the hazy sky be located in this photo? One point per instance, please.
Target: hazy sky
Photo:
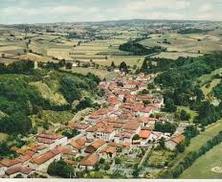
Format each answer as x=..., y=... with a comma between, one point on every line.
x=41, y=11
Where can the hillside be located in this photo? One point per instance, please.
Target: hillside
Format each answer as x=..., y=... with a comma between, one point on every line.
x=35, y=98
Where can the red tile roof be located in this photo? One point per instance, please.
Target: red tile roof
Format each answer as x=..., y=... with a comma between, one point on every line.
x=131, y=125
x=178, y=139
x=9, y=162
x=98, y=143
x=18, y=168
x=144, y=134
x=79, y=143
x=45, y=157
x=90, y=160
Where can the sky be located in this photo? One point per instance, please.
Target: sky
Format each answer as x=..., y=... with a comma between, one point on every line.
x=49, y=11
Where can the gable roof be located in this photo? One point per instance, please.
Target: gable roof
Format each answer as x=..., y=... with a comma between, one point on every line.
x=78, y=143
x=90, y=160
x=9, y=162
x=144, y=134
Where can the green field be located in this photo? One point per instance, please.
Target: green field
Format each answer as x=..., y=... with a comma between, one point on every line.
x=206, y=166
x=195, y=144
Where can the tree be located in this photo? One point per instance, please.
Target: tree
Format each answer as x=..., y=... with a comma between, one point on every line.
x=136, y=137
x=144, y=67
x=146, y=102
x=166, y=127
x=70, y=133
x=180, y=147
x=84, y=103
x=123, y=67
x=169, y=105
x=117, y=160
x=191, y=131
x=184, y=115
x=113, y=65
x=60, y=168
x=162, y=143
x=15, y=123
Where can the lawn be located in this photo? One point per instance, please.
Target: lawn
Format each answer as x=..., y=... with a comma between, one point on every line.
x=205, y=166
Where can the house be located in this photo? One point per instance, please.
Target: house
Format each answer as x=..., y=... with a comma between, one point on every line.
x=78, y=144
x=94, y=146
x=79, y=126
x=132, y=126
x=52, y=140
x=89, y=161
x=18, y=170
x=174, y=141
x=109, y=151
x=124, y=137
x=90, y=132
x=106, y=133
x=145, y=136
x=6, y=163
x=42, y=161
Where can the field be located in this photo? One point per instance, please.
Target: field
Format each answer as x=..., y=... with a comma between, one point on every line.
x=208, y=166
x=211, y=131
x=184, y=45
x=46, y=46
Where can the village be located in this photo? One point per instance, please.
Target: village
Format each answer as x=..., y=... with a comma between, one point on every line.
x=123, y=128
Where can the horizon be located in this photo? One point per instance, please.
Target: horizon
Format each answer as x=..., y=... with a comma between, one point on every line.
x=115, y=20
x=66, y=11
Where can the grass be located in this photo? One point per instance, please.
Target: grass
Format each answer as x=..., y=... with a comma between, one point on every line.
x=159, y=158
x=52, y=117
x=207, y=88
x=208, y=82
x=184, y=45
x=46, y=92
x=204, y=79
x=202, y=167
x=192, y=113
x=99, y=72
x=3, y=137
x=195, y=144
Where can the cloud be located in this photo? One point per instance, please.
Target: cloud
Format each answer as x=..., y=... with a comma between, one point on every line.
x=141, y=5
x=32, y=11
x=205, y=8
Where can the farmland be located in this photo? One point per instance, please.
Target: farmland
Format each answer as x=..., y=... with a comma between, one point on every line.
x=206, y=167
x=140, y=96
x=100, y=44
